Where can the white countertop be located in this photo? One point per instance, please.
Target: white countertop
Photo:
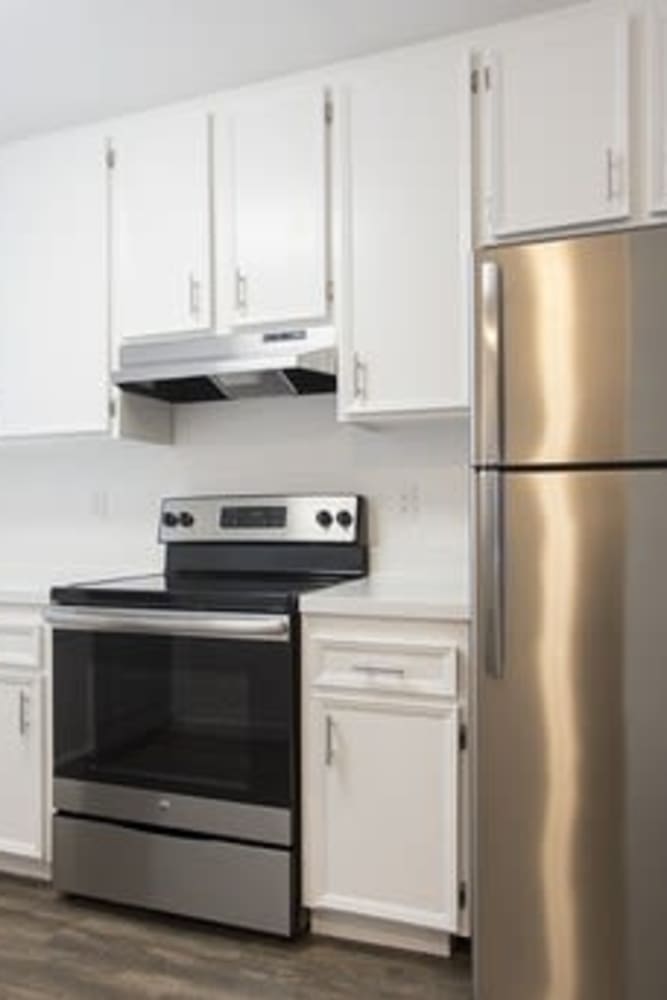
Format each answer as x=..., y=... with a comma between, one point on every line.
x=391, y=595
x=24, y=592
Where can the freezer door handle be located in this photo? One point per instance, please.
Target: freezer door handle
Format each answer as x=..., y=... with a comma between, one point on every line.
x=491, y=579
x=488, y=366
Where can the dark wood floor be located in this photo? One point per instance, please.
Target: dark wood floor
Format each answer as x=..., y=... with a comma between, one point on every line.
x=75, y=950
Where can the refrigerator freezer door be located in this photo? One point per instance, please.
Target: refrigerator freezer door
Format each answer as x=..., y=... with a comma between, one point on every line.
x=571, y=351
x=571, y=795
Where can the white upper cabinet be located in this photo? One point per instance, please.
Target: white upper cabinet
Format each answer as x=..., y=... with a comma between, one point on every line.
x=405, y=212
x=54, y=346
x=658, y=109
x=273, y=217
x=555, y=97
x=161, y=219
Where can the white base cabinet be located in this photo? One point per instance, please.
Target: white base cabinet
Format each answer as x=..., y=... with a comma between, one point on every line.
x=21, y=700
x=385, y=807
x=24, y=840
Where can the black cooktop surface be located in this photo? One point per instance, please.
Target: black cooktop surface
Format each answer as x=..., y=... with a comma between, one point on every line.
x=273, y=594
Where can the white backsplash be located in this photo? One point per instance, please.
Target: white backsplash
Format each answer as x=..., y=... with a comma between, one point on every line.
x=72, y=508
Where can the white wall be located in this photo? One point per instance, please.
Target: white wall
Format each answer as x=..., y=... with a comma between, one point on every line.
x=82, y=507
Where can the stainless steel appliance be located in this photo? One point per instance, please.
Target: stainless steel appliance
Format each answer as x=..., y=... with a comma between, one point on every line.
x=214, y=367
x=176, y=711
x=571, y=493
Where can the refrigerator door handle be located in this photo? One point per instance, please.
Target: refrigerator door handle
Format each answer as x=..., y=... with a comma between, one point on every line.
x=488, y=370
x=492, y=571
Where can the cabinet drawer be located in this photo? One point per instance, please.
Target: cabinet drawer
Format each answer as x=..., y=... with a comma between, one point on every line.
x=20, y=644
x=374, y=665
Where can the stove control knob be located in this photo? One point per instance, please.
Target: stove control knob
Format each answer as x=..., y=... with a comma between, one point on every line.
x=187, y=519
x=169, y=519
x=344, y=518
x=324, y=518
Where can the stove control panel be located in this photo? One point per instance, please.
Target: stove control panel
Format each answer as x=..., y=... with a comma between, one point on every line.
x=260, y=519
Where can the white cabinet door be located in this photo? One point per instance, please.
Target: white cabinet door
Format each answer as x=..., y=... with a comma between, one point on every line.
x=556, y=92
x=21, y=809
x=161, y=224
x=404, y=331
x=388, y=839
x=658, y=109
x=54, y=349
x=279, y=153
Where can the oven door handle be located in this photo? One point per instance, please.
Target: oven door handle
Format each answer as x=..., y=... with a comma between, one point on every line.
x=196, y=624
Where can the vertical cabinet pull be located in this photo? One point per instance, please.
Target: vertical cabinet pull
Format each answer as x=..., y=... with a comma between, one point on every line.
x=358, y=377
x=329, y=741
x=609, y=164
x=241, y=290
x=24, y=718
x=194, y=295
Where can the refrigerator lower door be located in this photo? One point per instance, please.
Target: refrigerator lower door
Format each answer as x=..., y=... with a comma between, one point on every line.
x=571, y=690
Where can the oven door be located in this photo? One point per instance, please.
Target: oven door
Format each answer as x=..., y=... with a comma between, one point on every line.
x=184, y=720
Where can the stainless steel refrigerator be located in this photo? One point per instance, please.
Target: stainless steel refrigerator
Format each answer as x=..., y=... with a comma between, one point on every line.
x=570, y=455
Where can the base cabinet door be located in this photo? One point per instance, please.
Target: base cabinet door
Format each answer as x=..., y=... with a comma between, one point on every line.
x=21, y=805
x=387, y=839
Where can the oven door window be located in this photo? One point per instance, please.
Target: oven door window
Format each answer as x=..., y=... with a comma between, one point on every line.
x=196, y=716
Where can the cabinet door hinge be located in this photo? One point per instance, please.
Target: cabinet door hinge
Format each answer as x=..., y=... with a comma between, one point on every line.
x=487, y=78
x=328, y=111
x=110, y=157
x=330, y=291
x=463, y=895
x=463, y=737
x=474, y=81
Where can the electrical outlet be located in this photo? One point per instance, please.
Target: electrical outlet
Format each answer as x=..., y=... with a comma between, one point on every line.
x=409, y=501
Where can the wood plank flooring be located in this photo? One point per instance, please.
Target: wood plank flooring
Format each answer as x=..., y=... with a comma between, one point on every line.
x=61, y=949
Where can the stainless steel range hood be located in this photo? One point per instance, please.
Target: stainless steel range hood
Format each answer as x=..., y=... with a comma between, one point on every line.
x=231, y=366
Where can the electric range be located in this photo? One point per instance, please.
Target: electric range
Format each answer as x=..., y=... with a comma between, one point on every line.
x=177, y=710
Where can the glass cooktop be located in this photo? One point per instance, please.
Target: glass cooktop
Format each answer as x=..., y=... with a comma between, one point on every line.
x=195, y=591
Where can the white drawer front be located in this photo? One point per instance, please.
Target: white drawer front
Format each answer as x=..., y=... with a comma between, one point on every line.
x=20, y=644
x=374, y=665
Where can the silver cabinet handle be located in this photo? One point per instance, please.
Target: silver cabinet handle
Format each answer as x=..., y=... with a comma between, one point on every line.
x=491, y=616
x=275, y=628
x=488, y=431
x=609, y=163
x=329, y=741
x=241, y=289
x=379, y=671
x=24, y=717
x=358, y=377
x=194, y=293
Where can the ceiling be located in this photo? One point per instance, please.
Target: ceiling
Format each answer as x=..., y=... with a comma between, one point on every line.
x=69, y=61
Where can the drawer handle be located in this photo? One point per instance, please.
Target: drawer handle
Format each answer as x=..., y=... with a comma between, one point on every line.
x=379, y=671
